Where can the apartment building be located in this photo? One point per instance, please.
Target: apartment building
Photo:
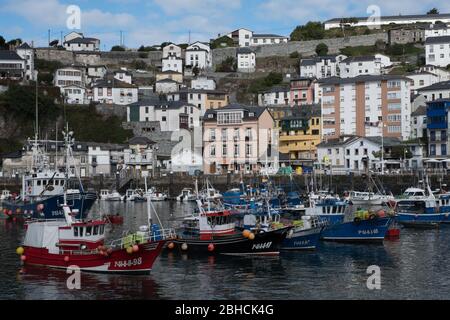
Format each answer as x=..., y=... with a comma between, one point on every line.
x=366, y=106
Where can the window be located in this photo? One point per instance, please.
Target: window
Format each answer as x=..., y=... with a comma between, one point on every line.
x=248, y=150
x=75, y=231
x=212, y=150
x=212, y=134
x=443, y=149
x=164, y=119
x=224, y=149
x=229, y=117
x=236, y=150
x=224, y=135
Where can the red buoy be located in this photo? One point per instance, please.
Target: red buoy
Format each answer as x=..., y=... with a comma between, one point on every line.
x=66, y=259
x=211, y=247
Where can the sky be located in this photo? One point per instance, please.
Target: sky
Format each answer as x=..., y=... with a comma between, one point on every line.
x=150, y=22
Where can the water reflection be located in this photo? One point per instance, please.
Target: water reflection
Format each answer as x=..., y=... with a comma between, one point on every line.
x=413, y=267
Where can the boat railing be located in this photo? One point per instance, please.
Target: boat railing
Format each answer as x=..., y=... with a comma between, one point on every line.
x=143, y=237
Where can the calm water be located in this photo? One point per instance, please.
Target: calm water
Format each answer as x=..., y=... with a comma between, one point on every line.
x=414, y=267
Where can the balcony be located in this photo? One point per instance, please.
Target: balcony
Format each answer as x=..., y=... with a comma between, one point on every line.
x=437, y=125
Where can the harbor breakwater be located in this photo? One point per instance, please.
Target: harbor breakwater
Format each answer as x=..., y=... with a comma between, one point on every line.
x=173, y=184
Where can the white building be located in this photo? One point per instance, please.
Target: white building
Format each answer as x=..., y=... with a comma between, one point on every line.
x=246, y=60
x=437, y=30
x=113, y=91
x=124, y=76
x=419, y=123
x=266, y=39
x=167, y=86
x=321, y=67
x=27, y=54
x=276, y=96
x=242, y=37
x=443, y=74
x=437, y=51
x=439, y=90
x=199, y=55
x=68, y=76
x=12, y=66
x=75, y=94
x=172, y=63
x=386, y=20
x=172, y=50
x=364, y=65
x=172, y=58
x=140, y=158
x=95, y=72
x=353, y=153
x=422, y=79
x=203, y=83
x=75, y=41
x=172, y=115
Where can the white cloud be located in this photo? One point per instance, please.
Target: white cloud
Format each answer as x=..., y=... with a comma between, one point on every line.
x=49, y=13
x=175, y=7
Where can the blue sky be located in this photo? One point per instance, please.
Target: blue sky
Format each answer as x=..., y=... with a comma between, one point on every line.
x=151, y=22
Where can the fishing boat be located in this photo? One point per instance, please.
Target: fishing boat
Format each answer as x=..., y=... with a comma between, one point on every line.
x=135, y=195
x=157, y=196
x=372, y=227
x=70, y=242
x=419, y=208
x=304, y=233
x=209, y=192
x=213, y=231
x=112, y=196
x=187, y=195
x=368, y=198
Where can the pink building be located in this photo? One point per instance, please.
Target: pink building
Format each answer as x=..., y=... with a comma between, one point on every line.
x=239, y=138
x=302, y=91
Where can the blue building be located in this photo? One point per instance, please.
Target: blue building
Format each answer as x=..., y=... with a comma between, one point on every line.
x=437, y=127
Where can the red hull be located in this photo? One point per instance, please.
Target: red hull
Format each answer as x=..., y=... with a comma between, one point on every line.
x=119, y=261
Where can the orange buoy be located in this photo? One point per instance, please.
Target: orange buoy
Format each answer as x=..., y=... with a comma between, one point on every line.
x=246, y=233
x=23, y=257
x=171, y=245
x=211, y=247
x=135, y=248
x=251, y=236
x=130, y=250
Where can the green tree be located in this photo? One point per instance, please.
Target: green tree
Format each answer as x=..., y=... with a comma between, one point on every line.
x=14, y=42
x=222, y=42
x=322, y=49
x=117, y=48
x=294, y=55
x=433, y=11
x=311, y=31
x=228, y=65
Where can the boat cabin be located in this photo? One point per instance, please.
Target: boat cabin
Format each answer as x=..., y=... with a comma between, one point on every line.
x=413, y=193
x=47, y=183
x=209, y=224
x=57, y=236
x=417, y=206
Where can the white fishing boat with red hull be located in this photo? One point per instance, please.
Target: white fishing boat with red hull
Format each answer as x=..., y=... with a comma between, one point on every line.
x=78, y=243
x=58, y=244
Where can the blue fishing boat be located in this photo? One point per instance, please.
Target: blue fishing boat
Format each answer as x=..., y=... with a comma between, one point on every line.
x=419, y=213
x=370, y=230
x=305, y=234
x=42, y=193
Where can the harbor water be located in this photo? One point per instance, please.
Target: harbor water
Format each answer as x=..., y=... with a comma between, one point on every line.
x=413, y=267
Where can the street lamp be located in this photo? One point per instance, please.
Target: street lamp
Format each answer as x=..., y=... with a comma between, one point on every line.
x=382, y=146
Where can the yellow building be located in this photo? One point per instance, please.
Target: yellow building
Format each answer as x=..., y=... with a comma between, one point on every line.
x=216, y=99
x=300, y=133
